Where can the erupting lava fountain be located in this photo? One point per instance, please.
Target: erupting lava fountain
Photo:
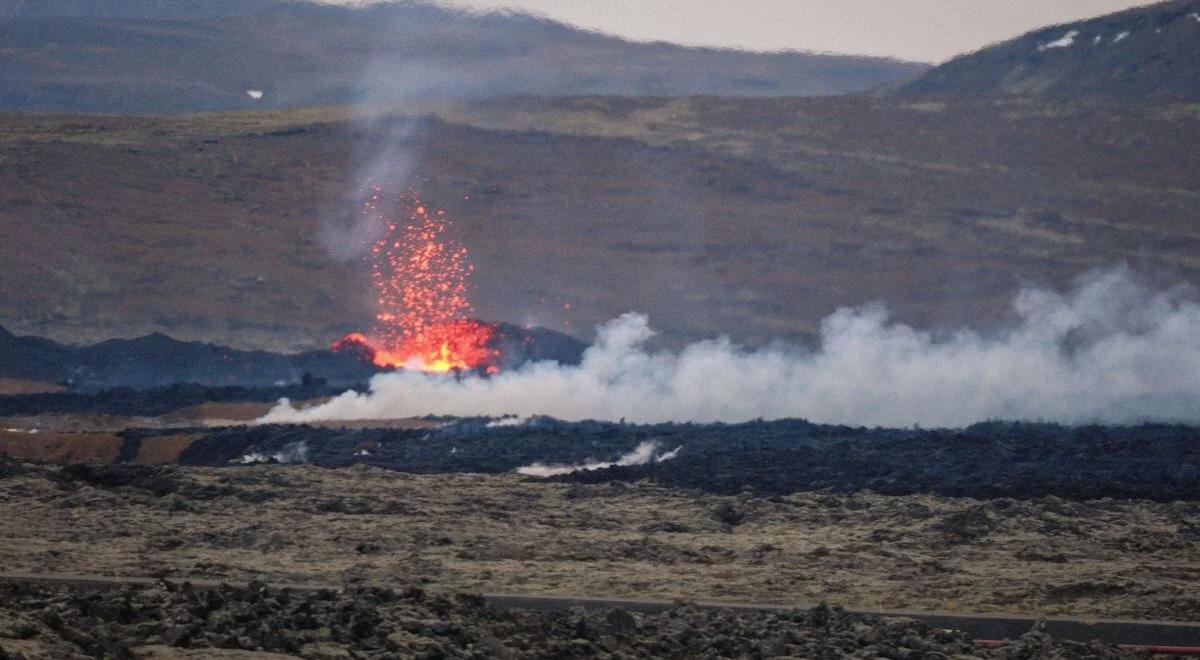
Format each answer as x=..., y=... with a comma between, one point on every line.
x=423, y=317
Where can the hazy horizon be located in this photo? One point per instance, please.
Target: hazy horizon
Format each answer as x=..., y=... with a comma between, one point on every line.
x=917, y=30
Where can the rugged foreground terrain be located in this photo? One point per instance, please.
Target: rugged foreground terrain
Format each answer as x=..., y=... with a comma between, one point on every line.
x=170, y=621
x=509, y=533
x=1035, y=519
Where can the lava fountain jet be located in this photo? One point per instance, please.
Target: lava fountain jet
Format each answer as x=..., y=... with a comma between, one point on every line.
x=423, y=313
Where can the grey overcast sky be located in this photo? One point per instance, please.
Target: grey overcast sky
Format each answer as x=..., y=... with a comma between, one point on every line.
x=924, y=30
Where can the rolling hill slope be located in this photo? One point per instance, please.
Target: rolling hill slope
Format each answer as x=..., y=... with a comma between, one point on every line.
x=128, y=9
x=126, y=56
x=1142, y=53
x=755, y=217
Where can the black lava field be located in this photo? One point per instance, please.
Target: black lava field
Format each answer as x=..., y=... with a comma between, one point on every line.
x=987, y=460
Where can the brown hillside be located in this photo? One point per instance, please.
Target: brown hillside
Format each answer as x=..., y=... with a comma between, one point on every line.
x=753, y=217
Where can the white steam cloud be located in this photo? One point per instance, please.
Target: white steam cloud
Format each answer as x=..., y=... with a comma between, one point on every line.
x=1111, y=351
x=293, y=453
x=507, y=420
x=645, y=452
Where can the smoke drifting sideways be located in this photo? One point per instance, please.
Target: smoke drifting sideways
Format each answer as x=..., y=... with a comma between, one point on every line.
x=1110, y=351
x=645, y=452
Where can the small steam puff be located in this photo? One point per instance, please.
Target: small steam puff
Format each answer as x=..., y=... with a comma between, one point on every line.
x=1112, y=351
x=507, y=420
x=294, y=453
x=644, y=453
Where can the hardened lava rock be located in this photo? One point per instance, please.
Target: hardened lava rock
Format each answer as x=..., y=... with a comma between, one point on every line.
x=166, y=619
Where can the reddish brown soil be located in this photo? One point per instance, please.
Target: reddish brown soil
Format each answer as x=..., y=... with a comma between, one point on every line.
x=58, y=447
x=165, y=448
x=18, y=386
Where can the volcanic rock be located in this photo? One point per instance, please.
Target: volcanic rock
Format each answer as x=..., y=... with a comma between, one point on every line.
x=157, y=360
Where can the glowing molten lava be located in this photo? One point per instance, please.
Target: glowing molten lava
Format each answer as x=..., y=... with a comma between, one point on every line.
x=420, y=276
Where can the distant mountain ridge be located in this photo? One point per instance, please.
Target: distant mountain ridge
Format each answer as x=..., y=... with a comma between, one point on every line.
x=145, y=9
x=1150, y=52
x=137, y=56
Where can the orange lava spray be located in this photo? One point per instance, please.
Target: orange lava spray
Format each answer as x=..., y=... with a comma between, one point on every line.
x=423, y=313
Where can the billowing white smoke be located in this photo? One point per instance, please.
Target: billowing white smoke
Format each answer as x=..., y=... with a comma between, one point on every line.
x=645, y=452
x=1110, y=352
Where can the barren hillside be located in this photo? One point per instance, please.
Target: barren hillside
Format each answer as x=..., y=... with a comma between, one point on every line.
x=132, y=56
x=752, y=217
x=1145, y=52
